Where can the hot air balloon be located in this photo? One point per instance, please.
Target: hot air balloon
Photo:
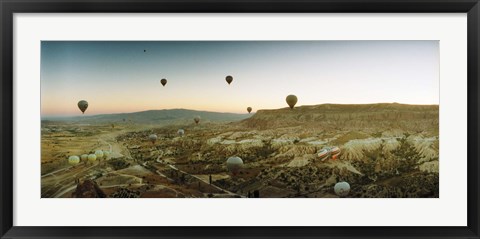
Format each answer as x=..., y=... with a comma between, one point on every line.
x=324, y=154
x=342, y=189
x=73, y=160
x=335, y=151
x=92, y=157
x=144, y=50
x=291, y=100
x=152, y=138
x=181, y=132
x=229, y=79
x=83, y=105
x=99, y=154
x=163, y=81
x=106, y=153
x=234, y=164
x=249, y=109
x=196, y=119
x=84, y=157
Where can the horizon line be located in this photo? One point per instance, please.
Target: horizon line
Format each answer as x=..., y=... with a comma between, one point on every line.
x=223, y=112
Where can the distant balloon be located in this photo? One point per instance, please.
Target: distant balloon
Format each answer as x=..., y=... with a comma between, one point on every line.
x=84, y=157
x=83, y=105
x=249, y=109
x=99, y=154
x=92, y=157
x=73, y=160
x=291, y=100
x=335, y=152
x=144, y=50
x=163, y=81
x=106, y=153
x=152, y=138
x=181, y=132
x=234, y=164
x=113, y=126
x=324, y=154
x=229, y=79
x=196, y=119
x=342, y=189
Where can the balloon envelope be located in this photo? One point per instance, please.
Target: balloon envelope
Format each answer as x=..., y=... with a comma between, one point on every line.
x=291, y=100
x=153, y=138
x=163, y=81
x=84, y=157
x=249, y=109
x=229, y=79
x=99, y=154
x=82, y=105
x=106, y=153
x=196, y=119
x=92, y=157
x=234, y=164
x=181, y=132
x=342, y=189
x=73, y=160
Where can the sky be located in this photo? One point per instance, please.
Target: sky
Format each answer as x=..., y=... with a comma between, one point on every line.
x=119, y=77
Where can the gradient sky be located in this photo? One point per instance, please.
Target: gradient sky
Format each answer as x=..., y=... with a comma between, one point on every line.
x=119, y=76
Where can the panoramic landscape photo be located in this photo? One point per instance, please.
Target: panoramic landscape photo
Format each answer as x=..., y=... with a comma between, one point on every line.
x=239, y=119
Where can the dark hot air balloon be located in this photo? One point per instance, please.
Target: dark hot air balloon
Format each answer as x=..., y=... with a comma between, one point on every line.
x=163, y=81
x=83, y=105
x=229, y=79
x=291, y=100
x=196, y=119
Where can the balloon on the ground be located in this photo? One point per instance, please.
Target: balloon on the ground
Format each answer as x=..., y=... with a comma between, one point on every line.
x=249, y=109
x=152, y=138
x=92, y=157
x=82, y=105
x=342, y=189
x=291, y=100
x=163, y=81
x=181, y=132
x=84, y=157
x=323, y=154
x=73, y=160
x=106, y=153
x=234, y=164
x=99, y=154
x=229, y=79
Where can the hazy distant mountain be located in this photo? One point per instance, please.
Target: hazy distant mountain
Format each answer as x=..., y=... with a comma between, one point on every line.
x=155, y=117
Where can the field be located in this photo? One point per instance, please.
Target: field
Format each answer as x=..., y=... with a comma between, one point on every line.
x=387, y=151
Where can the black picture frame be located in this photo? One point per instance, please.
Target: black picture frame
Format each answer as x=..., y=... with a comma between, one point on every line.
x=9, y=7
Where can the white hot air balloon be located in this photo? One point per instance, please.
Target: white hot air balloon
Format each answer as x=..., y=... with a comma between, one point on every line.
x=73, y=160
x=84, y=157
x=92, y=157
x=234, y=164
x=342, y=189
x=181, y=132
x=153, y=138
x=99, y=154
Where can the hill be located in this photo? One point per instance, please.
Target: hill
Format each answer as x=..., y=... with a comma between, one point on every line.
x=170, y=116
x=350, y=117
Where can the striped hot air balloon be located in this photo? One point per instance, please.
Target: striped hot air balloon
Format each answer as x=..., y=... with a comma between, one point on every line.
x=324, y=154
x=335, y=152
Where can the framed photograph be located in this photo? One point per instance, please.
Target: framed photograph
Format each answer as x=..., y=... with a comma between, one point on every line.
x=242, y=119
